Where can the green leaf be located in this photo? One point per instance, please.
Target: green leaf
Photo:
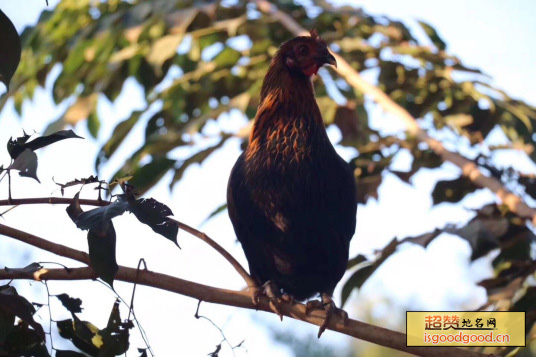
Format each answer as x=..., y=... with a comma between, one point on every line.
x=227, y=58
x=163, y=49
x=433, y=35
x=93, y=124
x=196, y=158
x=119, y=134
x=148, y=175
x=10, y=49
x=217, y=211
x=358, y=278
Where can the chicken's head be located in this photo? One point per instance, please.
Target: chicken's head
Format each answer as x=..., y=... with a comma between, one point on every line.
x=307, y=54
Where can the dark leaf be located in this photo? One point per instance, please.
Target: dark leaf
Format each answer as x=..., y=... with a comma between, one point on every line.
x=32, y=268
x=23, y=341
x=216, y=352
x=530, y=184
x=355, y=281
x=528, y=304
x=424, y=158
x=452, y=190
x=96, y=218
x=361, y=275
x=74, y=305
x=355, y=261
x=515, y=245
x=403, y=175
x=115, y=335
x=424, y=239
x=7, y=318
x=10, y=49
x=102, y=252
x=101, y=235
x=351, y=120
x=13, y=304
x=80, y=333
x=482, y=234
x=515, y=271
x=17, y=146
x=156, y=215
x=143, y=352
x=114, y=320
x=26, y=164
x=367, y=187
x=75, y=182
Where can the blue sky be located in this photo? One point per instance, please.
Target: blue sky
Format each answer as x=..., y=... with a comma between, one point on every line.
x=495, y=36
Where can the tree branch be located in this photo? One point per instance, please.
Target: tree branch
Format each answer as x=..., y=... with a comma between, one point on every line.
x=469, y=169
x=51, y=200
x=44, y=244
x=25, y=237
x=354, y=328
x=243, y=273
x=242, y=299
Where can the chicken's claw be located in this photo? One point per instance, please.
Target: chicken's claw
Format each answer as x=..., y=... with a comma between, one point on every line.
x=326, y=303
x=270, y=290
x=272, y=293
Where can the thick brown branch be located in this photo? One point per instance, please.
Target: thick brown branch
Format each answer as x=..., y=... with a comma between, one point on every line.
x=361, y=330
x=61, y=200
x=44, y=244
x=469, y=169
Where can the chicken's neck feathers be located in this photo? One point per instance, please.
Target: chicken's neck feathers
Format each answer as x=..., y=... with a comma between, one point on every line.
x=288, y=119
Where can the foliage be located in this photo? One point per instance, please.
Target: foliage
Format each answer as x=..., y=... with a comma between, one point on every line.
x=196, y=61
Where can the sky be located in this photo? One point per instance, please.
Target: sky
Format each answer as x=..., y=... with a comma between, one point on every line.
x=495, y=36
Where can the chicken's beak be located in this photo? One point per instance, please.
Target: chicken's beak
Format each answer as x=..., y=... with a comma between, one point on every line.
x=331, y=60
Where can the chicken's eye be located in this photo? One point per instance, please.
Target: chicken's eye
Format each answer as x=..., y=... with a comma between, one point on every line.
x=303, y=50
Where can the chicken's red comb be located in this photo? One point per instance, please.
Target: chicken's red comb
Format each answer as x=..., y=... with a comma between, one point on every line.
x=314, y=34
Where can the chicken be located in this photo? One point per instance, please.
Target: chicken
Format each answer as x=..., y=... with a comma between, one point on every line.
x=291, y=197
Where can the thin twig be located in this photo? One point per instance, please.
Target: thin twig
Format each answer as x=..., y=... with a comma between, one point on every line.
x=469, y=169
x=243, y=273
x=196, y=233
x=197, y=316
x=49, y=318
x=51, y=200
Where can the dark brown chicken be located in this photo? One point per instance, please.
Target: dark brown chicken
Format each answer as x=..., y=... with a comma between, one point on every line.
x=291, y=197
